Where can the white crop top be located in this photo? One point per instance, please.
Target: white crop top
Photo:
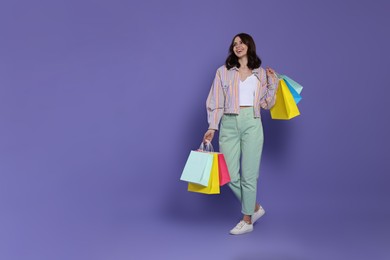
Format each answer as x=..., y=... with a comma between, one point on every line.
x=247, y=90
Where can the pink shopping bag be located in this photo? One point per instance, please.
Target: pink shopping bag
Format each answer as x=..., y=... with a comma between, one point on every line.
x=224, y=176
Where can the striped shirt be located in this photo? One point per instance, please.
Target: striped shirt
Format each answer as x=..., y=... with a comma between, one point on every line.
x=224, y=94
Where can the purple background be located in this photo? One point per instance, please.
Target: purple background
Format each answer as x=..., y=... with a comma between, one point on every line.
x=101, y=102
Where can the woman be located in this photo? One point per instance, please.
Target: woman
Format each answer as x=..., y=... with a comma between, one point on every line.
x=240, y=89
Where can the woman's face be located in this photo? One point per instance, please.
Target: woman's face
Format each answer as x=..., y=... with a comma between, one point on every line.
x=239, y=48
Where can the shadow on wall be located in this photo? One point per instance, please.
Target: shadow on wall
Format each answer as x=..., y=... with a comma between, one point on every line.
x=190, y=207
x=278, y=135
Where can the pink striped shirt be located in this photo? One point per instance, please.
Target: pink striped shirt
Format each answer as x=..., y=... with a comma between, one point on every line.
x=224, y=94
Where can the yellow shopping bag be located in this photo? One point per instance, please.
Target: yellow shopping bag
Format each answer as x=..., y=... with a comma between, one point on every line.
x=213, y=185
x=285, y=107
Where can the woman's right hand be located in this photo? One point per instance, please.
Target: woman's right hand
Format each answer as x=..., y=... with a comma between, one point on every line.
x=208, y=136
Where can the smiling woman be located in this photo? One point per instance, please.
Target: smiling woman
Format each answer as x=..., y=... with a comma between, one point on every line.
x=240, y=89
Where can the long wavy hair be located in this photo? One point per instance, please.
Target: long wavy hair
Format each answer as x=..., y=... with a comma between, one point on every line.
x=253, y=60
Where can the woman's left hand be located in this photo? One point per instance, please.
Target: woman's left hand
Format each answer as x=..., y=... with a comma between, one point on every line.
x=270, y=72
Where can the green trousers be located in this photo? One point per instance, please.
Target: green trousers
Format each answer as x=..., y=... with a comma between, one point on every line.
x=241, y=141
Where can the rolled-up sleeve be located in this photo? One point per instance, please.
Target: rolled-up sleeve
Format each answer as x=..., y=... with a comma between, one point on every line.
x=215, y=102
x=269, y=87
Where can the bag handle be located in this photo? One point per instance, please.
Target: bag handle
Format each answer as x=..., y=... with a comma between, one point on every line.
x=206, y=148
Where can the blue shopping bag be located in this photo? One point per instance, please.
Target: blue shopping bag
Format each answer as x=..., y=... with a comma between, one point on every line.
x=294, y=87
x=294, y=93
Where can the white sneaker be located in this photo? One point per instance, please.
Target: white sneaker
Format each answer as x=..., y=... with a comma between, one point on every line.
x=258, y=214
x=241, y=228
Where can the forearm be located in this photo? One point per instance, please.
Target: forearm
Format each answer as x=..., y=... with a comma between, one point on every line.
x=215, y=103
x=214, y=117
x=269, y=97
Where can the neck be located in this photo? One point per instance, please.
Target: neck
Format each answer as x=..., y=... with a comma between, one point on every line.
x=243, y=62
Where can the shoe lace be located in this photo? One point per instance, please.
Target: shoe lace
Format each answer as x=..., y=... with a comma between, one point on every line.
x=240, y=224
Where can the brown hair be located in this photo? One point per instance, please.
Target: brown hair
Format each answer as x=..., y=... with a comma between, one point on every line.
x=253, y=60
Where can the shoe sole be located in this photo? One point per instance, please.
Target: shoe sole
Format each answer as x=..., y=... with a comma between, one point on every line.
x=248, y=231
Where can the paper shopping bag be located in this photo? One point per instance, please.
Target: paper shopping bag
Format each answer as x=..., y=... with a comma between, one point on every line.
x=224, y=176
x=198, y=168
x=285, y=107
x=296, y=86
x=294, y=93
x=213, y=185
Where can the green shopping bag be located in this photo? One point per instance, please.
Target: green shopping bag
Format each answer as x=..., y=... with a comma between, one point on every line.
x=198, y=167
x=296, y=86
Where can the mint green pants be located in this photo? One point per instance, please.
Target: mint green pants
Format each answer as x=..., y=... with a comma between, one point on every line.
x=241, y=141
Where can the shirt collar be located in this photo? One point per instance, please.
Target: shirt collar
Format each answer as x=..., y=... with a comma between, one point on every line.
x=254, y=71
x=234, y=68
